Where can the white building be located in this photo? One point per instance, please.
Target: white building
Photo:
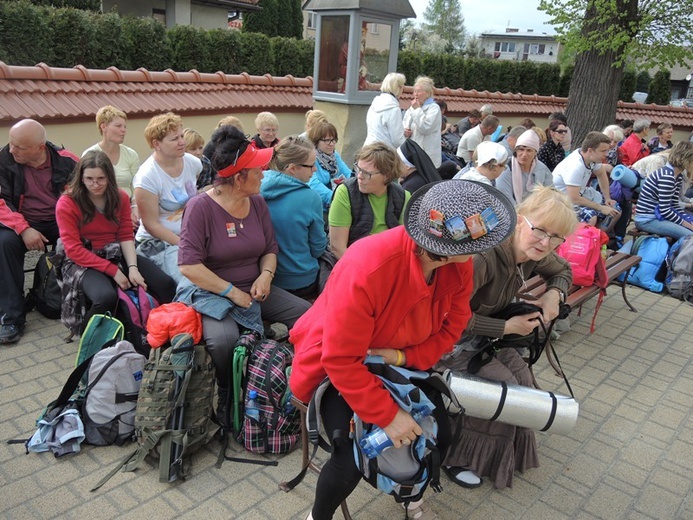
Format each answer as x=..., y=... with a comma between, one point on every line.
x=521, y=46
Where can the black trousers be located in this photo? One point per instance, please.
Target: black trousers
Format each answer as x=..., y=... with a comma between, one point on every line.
x=340, y=475
x=12, y=251
x=102, y=294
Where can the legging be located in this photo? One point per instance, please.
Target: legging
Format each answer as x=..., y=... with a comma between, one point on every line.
x=340, y=475
x=101, y=290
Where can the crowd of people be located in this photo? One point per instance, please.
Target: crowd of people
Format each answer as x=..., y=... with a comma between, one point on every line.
x=248, y=230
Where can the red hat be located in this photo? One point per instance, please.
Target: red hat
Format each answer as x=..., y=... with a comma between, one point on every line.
x=253, y=157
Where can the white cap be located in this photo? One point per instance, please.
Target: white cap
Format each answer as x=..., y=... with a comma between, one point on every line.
x=488, y=151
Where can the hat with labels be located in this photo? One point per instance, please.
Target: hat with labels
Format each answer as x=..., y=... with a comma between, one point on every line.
x=459, y=217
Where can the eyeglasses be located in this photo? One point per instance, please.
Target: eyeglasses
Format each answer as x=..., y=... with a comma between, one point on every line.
x=99, y=180
x=332, y=140
x=541, y=235
x=360, y=171
x=561, y=131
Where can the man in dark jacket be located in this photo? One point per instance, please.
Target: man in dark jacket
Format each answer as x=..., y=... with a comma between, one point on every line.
x=33, y=174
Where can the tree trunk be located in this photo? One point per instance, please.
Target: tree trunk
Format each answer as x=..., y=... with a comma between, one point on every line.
x=596, y=81
x=593, y=94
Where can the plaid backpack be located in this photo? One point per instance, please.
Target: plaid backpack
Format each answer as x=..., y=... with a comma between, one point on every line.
x=279, y=427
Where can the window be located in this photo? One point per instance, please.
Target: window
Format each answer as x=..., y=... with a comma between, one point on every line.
x=312, y=20
x=511, y=47
x=159, y=15
x=542, y=49
x=373, y=28
x=534, y=49
x=497, y=48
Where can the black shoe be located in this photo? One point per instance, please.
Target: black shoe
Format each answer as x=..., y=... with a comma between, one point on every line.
x=11, y=333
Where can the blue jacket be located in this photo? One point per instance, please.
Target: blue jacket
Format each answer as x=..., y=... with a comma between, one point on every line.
x=296, y=212
x=322, y=184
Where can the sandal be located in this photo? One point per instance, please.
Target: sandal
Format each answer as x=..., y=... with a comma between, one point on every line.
x=463, y=476
x=420, y=513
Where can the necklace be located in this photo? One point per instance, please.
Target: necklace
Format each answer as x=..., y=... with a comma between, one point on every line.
x=241, y=222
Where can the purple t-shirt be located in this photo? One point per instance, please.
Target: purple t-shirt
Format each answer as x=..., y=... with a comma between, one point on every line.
x=213, y=237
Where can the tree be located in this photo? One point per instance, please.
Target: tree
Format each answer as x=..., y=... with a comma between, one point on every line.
x=606, y=34
x=642, y=83
x=660, y=88
x=444, y=19
x=264, y=21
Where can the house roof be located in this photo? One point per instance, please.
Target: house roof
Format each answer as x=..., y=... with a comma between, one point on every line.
x=50, y=93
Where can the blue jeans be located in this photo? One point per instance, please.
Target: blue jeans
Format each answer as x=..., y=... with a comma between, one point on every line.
x=665, y=228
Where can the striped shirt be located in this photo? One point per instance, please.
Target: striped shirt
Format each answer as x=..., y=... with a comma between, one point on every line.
x=661, y=188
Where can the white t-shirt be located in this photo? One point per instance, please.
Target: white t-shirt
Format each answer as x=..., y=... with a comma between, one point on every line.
x=173, y=193
x=572, y=171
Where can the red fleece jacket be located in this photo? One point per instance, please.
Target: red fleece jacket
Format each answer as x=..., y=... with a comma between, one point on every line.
x=377, y=298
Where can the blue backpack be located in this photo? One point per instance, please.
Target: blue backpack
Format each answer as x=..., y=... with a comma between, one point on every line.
x=649, y=273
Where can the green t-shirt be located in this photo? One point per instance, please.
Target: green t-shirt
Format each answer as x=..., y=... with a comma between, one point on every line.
x=340, y=210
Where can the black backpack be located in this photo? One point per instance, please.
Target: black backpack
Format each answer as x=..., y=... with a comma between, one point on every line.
x=134, y=306
x=45, y=293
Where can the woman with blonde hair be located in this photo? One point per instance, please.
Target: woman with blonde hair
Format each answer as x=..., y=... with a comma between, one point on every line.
x=194, y=145
x=423, y=120
x=374, y=196
x=267, y=126
x=297, y=216
x=489, y=448
x=313, y=117
x=384, y=117
x=163, y=185
x=112, y=125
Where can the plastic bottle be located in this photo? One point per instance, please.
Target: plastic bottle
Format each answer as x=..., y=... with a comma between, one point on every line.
x=377, y=440
x=252, y=411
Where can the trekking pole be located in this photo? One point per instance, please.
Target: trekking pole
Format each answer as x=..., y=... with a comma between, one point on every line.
x=183, y=355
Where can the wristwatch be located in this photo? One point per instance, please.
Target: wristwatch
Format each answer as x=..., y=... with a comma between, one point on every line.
x=561, y=294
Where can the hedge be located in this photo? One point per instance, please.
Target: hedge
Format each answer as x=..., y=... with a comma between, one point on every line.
x=65, y=37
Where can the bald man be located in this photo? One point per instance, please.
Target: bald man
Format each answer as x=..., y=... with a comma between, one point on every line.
x=33, y=174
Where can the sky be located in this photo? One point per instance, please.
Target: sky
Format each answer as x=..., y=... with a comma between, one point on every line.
x=495, y=15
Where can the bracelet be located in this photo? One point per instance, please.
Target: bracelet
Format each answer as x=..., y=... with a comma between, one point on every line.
x=227, y=290
x=401, y=359
x=270, y=272
x=132, y=265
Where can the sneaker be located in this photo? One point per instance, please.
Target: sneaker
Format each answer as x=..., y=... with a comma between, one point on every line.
x=11, y=333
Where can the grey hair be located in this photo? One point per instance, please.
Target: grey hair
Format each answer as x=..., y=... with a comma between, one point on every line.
x=517, y=131
x=486, y=109
x=640, y=125
x=393, y=83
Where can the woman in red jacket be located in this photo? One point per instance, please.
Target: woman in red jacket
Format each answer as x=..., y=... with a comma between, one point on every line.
x=402, y=294
x=96, y=233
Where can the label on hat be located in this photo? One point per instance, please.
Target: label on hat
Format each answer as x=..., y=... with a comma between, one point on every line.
x=490, y=219
x=476, y=226
x=436, y=226
x=457, y=228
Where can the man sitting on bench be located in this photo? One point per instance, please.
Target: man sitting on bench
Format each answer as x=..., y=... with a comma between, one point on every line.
x=33, y=173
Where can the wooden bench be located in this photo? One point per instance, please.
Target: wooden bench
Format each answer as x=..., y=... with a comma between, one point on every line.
x=616, y=265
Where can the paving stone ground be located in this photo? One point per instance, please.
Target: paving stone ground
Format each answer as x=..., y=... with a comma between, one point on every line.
x=629, y=457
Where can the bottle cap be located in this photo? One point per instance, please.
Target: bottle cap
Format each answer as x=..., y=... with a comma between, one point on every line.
x=252, y=394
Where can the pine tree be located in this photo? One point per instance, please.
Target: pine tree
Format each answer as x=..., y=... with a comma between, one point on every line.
x=660, y=88
x=444, y=19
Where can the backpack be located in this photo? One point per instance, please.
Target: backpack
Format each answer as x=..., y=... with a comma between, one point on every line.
x=582, y=250
x=102, y=329
x=45, y=294
x=174, y=409
x=679, y=261
x=406, y=472
x=267, y=372
x=134, y=306
x=113, y=382
x=651, y=271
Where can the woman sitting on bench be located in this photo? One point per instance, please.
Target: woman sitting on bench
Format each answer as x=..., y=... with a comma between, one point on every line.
x=487, y=448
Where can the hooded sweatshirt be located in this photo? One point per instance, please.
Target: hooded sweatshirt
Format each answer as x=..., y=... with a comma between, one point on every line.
x=296, y=212
x=384, y=121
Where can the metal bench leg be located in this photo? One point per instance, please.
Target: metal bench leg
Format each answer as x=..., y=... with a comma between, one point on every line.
x=623, y=292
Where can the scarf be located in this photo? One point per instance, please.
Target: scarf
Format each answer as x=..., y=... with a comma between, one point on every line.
x=327, y=161
x=516, y=173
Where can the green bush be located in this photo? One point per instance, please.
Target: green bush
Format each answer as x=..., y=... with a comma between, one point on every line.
x=409, y=64
x=642, y=83
x=628, y=85
x=306, y=48
x=108, y=45
x=87, y=5
x=287, y=56
x=26, y=37
x=566, y=79
x=148, y=43
x=660, y=88
x=73, y=32
x=529, y=82
x=256, y=54
x=454, y=71
x=264, y=21
x=224, y=51
x=434, y=67
x=190, y=48
x=508, y=76
x=548, y=79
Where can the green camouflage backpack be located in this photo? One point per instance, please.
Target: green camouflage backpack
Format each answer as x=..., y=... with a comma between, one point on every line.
x=174, y=408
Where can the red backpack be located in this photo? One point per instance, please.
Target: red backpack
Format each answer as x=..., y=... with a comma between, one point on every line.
x=582, y=250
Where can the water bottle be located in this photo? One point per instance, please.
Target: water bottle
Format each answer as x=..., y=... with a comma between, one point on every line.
x=252, y=411
x=377, y=440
